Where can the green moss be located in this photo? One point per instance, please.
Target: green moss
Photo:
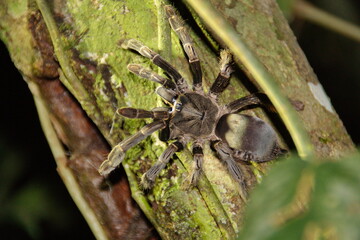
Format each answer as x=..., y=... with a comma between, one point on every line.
x=324, y=139
x=98, y=40
x=15, y=33
x=184, y=211
x=17, y=8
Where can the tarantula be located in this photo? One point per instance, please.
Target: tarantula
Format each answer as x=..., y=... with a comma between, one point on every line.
x=195, y=116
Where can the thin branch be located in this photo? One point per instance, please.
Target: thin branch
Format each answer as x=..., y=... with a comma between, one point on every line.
x=62, y=166
x=315, y=15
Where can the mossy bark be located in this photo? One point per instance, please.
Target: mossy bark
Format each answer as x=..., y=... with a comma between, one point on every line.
x=64, y=47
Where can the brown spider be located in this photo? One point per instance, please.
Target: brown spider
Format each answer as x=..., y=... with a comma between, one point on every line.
x=195, y=116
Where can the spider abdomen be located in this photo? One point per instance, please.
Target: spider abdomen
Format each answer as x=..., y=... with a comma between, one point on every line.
x=250, y=137
x=197, y=116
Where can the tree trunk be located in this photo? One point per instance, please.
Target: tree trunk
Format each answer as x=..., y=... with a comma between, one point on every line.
x=68, y=53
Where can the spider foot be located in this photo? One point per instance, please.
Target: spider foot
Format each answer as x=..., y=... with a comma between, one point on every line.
x=198, y=163
x=192, y=180
x=243, y=155
x=223, y=78
x=147, y=183
x=114, y=159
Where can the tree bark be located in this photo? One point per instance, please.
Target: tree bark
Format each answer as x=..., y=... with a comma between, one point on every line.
x=68, y=53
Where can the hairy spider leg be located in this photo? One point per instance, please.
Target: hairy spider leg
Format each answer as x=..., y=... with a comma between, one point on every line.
x=117, y=154
x=252, y=99
x=225, y=153
x=150, y=75
x=168, y=89
x=157, y=60
x=223, y=78
x=148, y=179
x=177, y=25
x=198, y=163
x=161, y=113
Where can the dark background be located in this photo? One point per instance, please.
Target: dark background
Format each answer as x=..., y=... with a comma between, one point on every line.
x=34, y=203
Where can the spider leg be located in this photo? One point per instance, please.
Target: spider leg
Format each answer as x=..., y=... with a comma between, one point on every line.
x=117, y=154
x=168, y=95
x=198, y=163
x=246, y=156
x=223, y=78
x=148, y=178
x=156, y=113
x=157, y=60
x=252, y=99
x=177, y=25
x=243, y=155
x=150, y=75
x=226, y=154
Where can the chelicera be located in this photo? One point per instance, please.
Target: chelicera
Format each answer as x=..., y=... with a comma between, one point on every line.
x=195, y=116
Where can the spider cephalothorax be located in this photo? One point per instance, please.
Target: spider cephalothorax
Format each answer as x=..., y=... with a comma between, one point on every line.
x=195, y=116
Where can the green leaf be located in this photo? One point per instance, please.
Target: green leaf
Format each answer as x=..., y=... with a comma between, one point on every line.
x=303, y=200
